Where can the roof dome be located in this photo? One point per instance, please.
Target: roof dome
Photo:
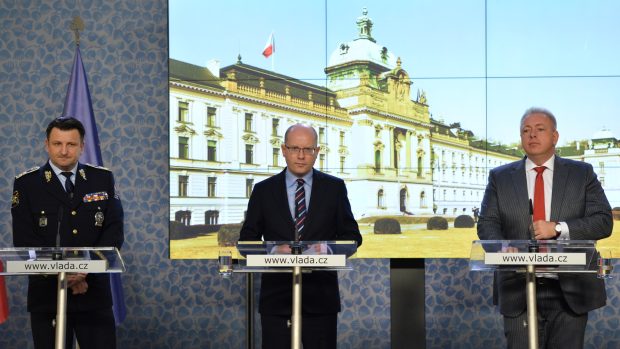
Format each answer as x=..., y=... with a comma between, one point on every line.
x=364, y=48
x=603, y=134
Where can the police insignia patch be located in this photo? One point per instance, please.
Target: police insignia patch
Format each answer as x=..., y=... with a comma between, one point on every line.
x=15, y=199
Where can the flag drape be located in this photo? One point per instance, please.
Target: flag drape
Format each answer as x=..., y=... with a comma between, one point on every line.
x=4, y=300
x=78, y=105
x=270, y=47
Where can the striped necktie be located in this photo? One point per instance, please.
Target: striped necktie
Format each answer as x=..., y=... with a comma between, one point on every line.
x=300, y=207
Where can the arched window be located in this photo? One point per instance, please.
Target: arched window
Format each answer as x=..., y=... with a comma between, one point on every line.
x=377, y=161
x=380, y=199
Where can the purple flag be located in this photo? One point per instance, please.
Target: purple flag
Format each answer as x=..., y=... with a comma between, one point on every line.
x=79, y=106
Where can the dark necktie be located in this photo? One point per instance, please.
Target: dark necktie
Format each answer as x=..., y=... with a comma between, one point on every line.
x=300, y=206
x=539, y=194
x=68, y=184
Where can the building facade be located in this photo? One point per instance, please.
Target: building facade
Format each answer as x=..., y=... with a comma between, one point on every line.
x=227, y=125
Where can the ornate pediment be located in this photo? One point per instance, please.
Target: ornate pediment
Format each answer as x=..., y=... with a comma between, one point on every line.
x=379, y=145
x=343, y=151
x=276, y=142
x=184, y=129
x=250, y=138
x=213, y=133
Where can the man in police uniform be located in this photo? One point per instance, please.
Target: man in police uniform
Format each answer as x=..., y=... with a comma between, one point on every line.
x=81, y=199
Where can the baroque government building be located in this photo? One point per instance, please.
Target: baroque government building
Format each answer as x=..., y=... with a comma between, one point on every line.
x=227, y=125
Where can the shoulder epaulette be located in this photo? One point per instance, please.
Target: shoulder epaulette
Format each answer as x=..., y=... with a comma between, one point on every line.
x=30, y=170
x=98, y=167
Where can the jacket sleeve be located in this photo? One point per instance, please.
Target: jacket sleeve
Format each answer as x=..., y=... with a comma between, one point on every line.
x=489, y=222
x=112, y=234
x=24, y=234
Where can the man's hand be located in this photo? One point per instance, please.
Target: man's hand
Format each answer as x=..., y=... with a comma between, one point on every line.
x=281, y=249
x=544, y=230
x=77, y=283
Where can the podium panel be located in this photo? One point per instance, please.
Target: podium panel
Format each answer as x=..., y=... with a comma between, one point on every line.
x=60, y=261
x=296, y=257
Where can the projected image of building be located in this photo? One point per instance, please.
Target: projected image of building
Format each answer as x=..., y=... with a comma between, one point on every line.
x=227, y=125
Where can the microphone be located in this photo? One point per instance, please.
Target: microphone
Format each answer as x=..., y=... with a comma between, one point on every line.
x=533, y=244
x=57, y=255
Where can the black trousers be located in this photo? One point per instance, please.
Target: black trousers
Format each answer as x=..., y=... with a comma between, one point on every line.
x=317, y=331
x=93, y=329
x=558, y=326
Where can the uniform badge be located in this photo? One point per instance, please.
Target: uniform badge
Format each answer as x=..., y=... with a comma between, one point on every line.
x=82, y=173
x=42, y=220
x=98, y=196
x=99, y=218
x=15, y=199
x=48, y=176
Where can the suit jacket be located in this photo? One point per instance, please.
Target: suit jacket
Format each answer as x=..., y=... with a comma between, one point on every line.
x=329, y=217
x=40, y=202
x=577, y=199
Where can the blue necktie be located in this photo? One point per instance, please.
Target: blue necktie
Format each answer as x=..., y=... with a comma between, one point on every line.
x=68, y=184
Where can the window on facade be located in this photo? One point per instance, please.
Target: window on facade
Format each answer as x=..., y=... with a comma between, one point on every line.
x=274, y=126
x=322, y=135
x=183, y=112
x=322, y=162
x=275, y=155
x=342, y=138
x=211, y=181
x=377, y=161
x=342, y=161
x=183, y=147
x=249, y=185
x=248, y=122
x=249, y=154
x=211, y=217
x=380, y=199
x=211, y=116
x=183, y=182
x=211, y=150
x=184, y=217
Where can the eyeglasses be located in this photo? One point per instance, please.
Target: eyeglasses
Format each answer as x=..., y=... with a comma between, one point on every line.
x=297, y=150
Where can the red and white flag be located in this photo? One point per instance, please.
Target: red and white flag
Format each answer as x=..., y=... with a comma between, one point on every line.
x=270, y=47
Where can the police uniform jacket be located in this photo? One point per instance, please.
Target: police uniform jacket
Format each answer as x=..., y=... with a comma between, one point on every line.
x=93, y=217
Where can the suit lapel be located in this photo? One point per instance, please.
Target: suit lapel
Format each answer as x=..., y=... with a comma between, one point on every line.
x=317, y=195
x=521, y=197
x=81, y=178
x=560, y=177
x=52, y=184
x=281, y=200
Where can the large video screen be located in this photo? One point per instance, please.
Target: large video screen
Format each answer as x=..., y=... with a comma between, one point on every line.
x=413, y=103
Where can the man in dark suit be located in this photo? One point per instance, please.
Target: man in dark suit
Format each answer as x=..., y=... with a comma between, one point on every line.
x=82, y=200
x=575, y=208
x=271, y=217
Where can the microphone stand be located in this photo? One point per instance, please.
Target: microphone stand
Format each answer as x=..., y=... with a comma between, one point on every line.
x=61, y=298
x=296, y=308
x=530, y=289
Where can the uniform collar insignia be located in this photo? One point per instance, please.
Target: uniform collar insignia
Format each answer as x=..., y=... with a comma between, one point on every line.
x=48, y=176
x=82, y=173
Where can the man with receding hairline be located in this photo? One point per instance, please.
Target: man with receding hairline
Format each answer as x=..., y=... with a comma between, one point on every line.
x=271, y=216
x=569, y=204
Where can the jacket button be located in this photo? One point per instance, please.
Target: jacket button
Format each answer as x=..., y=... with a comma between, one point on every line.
x=74, y=231
x=73, y=213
